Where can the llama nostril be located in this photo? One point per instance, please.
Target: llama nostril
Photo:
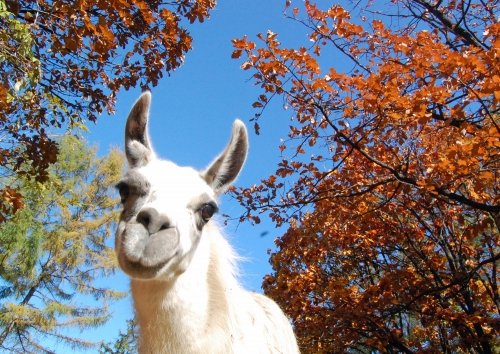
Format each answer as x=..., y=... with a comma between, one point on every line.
x=152, y=220
x=143, y=218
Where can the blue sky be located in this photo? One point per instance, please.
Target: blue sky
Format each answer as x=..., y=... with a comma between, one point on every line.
x=190, y=122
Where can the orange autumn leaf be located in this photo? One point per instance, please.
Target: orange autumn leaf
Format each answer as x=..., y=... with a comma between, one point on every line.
x=392, y=234
x=71, y=59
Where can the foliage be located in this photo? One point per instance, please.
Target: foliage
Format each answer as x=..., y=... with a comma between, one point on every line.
x=55, y=248
x=126, y=343
x=62, y=63
x=389, y=180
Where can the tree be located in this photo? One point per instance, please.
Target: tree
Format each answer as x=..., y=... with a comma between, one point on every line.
x=126, y=343
x=62, y=63
x=389, y=180
x=55, y=249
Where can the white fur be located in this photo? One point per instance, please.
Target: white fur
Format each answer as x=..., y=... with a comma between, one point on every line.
x=209, y=312
x=193, y=302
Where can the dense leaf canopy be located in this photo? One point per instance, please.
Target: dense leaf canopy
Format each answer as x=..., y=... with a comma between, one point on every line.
x=62, y=63
x=56, y=251
x=389, y=179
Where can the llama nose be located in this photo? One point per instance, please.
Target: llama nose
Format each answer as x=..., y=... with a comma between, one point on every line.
x=152, y=220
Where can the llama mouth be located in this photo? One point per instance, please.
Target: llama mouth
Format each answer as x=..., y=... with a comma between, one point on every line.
x=142, y=250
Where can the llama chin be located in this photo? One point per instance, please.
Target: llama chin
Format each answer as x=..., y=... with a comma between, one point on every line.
x=186, y=295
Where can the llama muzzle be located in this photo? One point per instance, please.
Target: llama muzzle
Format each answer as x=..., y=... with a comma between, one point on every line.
x=149, y=249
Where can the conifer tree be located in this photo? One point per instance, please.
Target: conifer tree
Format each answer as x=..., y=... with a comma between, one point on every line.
x=63, y=62
x=126, y=343
x=54, y=250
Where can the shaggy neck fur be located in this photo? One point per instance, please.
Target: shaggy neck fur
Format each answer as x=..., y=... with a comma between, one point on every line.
x=185, y=292
x=190, y=314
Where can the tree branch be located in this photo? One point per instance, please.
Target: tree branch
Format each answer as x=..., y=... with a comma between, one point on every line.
x=495, y=209
x=467, y=36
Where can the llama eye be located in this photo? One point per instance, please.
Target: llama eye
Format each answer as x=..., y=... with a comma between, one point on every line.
x=124, y=191
x=207, y=211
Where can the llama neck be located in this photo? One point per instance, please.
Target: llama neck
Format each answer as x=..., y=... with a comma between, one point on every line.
x=174, y=316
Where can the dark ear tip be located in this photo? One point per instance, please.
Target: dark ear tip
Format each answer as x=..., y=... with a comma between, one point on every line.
x=238, y=125
x=137, y=145
x=144, y=99
x=143, y=102
x=140, y=110
x=240, y=130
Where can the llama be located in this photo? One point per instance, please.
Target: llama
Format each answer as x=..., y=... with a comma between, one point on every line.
x=186, y=296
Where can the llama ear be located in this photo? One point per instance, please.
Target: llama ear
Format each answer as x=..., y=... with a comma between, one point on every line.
x=228, y=164
x=137, y=146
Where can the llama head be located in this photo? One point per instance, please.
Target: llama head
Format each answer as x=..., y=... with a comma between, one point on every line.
x=166, y=207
